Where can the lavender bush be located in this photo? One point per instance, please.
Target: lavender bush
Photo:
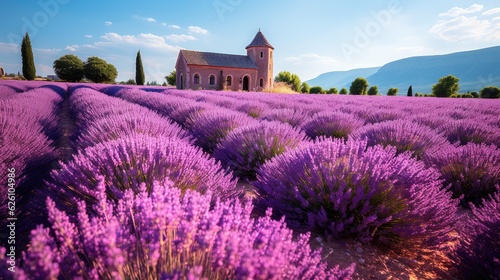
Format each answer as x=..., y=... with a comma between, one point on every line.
x=478, y=253
x=127, y=162
x=163, y=235
x=246, y=148
x=404, y=135
x=467, y=131
x=472, y=170
x=331, y=124
x=211, y=127
x=346, y=189
x=293, y=117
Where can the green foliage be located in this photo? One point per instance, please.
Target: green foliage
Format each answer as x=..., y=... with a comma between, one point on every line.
x=373, y=90
x=332, y=91
x=29, y=70
x=171, y=78
x=343, y=91
x=316, y=90
x=410, y=91
x=291, y=79
x=69, y=68
x=393, y=92
x=359, y=86
x=490, y=92
x=139, y=70
x=130, y=82
x=446, y=86
x=304, y=88
x=99, y=71
x=475, y=94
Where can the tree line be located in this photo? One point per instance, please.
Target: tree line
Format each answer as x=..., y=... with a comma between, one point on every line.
x=447, y=86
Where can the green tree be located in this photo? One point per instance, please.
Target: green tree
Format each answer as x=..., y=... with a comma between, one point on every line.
x=490, y=92
x=139, y=70
x=291, y=79
x=29, y=70
x=316, y=90
x=373, y=90
x=304, y=87
x=359, y=86
x=343, y=91
x=171, y=78
x=392, y=92
x=99, y=71
x=69, y=68
x=410, y=91
x=446, y=86
x=332, y=90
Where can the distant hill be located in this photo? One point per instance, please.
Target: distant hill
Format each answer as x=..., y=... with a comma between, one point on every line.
x=475, y=69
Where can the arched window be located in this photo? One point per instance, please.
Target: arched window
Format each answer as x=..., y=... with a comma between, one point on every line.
x=196, y=79
x=261, y=54
x=261, y=82
x=229, y=81
x=211, y=80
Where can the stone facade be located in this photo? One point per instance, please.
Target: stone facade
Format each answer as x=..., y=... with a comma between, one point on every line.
x=216, y=71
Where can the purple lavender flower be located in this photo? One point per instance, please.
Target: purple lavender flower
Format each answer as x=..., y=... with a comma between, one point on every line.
x=347, y=189
x=129, y=161
x=404, y=135
x=335, y=125
x=478, y=253
x=246, y=148
x=292, y=117
x=211, y=127
x=467, y=130
x=162, y=233
x=472, y=170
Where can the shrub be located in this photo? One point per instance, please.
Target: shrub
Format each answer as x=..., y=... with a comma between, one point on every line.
x=446, y=86
x=168, y=236
x=477, y=255
x=472, y=170
x=490, y=92
x=403, y=135
x=246, y=148
x=332, y=91
x=393, y=92
x=117, y=126
x=335, y=125
x=343, y=91
x=129, y=161
x=293, y=117
x=210, y=127
x=346, y=189
x=373, y=90
x=359, y=86
x=316, y=90
x=469, y=131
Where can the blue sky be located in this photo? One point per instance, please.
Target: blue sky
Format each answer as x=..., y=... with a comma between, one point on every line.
x=310, y=37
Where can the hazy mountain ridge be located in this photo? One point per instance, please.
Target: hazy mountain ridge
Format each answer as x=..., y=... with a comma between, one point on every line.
x=475, y=69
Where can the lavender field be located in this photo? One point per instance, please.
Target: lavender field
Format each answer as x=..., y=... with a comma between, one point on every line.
x=131, y=182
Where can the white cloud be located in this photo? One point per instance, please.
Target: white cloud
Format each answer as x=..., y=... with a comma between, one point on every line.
x=88, y=36
x=465, y=28
x=311, y=58
x=180, y=38
x=108, y=23
x=147, y=40
x=47, y=51
x=197, y=30
x=148, y=19
x=9, y=47
x=457, y=11
x=492, y=11
x=174, y=26
x=72, y=48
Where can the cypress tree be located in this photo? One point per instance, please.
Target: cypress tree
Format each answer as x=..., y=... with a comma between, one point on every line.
x=410, y=91
x=139, y=71
x=29, y=70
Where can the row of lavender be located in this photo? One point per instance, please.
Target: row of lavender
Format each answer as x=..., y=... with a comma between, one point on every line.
x=28, y=128
x=139, y=190
x=404, y=195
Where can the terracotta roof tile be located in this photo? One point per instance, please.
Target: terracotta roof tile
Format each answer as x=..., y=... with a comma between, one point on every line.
x=260, y=41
